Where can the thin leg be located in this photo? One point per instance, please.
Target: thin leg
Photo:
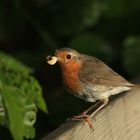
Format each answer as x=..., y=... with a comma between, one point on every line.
x=105, y=101
x=90, y=108
x=87, y=117
x=84, y=114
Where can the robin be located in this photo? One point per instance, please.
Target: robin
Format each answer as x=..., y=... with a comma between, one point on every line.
x=88, y=78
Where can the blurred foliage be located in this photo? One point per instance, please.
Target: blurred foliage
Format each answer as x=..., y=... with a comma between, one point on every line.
x=30, y=30
x=20, y=95
x=84, y=42
x=132, y=48
x=69, y=17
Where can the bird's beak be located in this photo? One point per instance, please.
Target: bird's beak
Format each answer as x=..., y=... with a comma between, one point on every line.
x=51, y=60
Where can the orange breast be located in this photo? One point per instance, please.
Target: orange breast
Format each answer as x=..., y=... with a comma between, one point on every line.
x=70, y=76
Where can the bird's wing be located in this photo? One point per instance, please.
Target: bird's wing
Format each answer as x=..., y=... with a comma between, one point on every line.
x=94, y=71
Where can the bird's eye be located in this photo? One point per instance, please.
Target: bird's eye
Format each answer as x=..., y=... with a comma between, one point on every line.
x=68, y=56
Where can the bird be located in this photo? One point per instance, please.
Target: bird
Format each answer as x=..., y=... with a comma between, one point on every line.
x=88, y=78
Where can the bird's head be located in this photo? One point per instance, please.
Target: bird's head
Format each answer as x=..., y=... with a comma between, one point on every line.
x=66, y=57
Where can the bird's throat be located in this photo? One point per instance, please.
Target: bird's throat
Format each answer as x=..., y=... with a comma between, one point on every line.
x=70, y=76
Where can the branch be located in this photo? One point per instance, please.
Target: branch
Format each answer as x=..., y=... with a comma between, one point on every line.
x=119, y=120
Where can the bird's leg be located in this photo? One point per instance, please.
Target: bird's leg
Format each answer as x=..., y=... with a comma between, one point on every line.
x=87, y=117
x=105, y=101
x=82, y=117
x=90, y=108
x=84, y=114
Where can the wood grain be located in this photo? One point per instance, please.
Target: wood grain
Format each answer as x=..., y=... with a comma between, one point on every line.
x=119, y=120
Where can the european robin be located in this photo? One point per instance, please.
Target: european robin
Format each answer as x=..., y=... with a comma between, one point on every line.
x=88, y=78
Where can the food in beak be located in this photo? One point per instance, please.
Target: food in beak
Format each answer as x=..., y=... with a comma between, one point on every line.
x=51, y=60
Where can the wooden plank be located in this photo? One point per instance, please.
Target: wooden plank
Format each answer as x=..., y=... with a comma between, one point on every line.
x=119, y=120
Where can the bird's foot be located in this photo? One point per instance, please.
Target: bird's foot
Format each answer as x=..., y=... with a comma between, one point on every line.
x=82, y=117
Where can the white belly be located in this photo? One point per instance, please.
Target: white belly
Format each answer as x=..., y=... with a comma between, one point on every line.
x=91, y=94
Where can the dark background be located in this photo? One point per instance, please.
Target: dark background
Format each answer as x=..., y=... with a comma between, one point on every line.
x=30, y=30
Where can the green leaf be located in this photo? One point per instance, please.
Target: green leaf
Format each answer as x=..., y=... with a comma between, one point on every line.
x=14, y=105
x=29, y=120
x=3, y=119
x=38, y=97
x=20, y=96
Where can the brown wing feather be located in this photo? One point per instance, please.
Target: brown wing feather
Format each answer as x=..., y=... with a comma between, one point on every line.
x=95, y=71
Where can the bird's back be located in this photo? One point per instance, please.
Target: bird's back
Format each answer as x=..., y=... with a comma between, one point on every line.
x=94, y=71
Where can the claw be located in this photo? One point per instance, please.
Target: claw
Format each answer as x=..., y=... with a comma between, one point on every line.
x=89, y=122
x=82, y=117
